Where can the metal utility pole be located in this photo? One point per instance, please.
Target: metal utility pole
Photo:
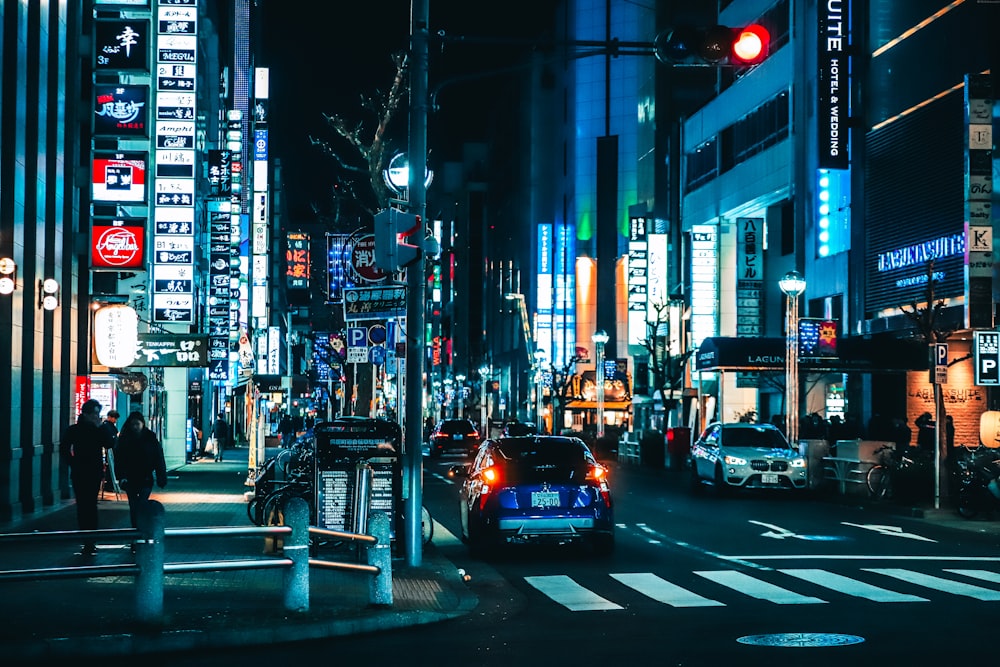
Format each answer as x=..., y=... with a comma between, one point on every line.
x=417, y=156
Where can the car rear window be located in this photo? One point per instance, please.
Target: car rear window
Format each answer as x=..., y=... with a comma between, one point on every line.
x=537, y=451
x=456, y=427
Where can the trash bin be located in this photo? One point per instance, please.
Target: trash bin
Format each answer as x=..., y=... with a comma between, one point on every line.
x=652, y=448
x=678, y=446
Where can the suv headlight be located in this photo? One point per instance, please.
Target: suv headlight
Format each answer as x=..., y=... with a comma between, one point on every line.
x=735, y=460
x=797, y=463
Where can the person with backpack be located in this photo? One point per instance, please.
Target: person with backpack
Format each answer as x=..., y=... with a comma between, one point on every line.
x=140, y=463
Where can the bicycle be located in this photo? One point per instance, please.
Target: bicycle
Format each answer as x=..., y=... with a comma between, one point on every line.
x=880, y=478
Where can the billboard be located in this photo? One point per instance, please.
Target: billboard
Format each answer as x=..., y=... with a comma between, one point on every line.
x=119, y=177
x=117, y=243
x=120, y=110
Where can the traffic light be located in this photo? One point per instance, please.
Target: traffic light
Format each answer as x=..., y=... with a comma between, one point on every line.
x=715, y=45
x=392, y=226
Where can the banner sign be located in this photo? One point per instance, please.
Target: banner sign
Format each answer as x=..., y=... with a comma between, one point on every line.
x=188, y=350
x=374, y=303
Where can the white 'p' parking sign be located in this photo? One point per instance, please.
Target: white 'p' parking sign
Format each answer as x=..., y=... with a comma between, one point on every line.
x=986, y=348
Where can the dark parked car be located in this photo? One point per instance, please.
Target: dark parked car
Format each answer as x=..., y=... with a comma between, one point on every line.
x=746, y=456
x=535, y=489
x=452, y=435
x=515, y=428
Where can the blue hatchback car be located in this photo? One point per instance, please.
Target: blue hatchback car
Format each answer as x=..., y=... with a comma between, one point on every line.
x=544, y=489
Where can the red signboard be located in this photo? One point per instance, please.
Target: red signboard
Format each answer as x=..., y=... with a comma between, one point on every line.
x=119, y=177
x=363, y=259
x=115, y=244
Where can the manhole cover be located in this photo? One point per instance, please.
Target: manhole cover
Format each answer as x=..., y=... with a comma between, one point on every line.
x=801, y=639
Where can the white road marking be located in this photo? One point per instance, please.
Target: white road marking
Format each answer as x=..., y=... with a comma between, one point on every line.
x=570, y=594
x=939, y=584
x=894, y=531
x=848, y=586
x=446, y=480
x=762, y=590
x=731, y=559
x=984, y=575
x=663, y=591
x=777, y=532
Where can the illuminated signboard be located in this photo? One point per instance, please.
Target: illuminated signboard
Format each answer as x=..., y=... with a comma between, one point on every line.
x=638, y=266
x=297, y=260
x=120, y=110
x=817, y=338
x=117, y=243
x=119, y=177
x=121, y=45
x=704, y=284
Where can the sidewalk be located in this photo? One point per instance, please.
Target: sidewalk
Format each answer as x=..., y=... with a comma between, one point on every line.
x=95, y=617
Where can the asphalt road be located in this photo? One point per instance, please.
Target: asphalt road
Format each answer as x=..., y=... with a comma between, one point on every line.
x=752, y=579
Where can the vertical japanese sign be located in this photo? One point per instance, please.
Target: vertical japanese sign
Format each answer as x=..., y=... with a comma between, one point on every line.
x=172, y=280
x=749, y=276
x=978, y=205
x=297, y=261
x=637, y=280
x=704, y=284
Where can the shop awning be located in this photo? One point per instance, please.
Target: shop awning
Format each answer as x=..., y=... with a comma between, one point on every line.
x=592, y=405
x=873, y=355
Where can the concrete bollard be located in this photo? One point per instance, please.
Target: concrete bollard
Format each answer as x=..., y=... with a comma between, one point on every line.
x=296, y=548
x=380, y=555
x=149, y=558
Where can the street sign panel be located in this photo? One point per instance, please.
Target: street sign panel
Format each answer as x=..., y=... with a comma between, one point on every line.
x=357, y=355
x=357, y=337
x=939, y=363
x=986, y=350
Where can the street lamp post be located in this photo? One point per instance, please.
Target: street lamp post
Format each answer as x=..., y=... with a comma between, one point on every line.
x=461, y=395
x=792, y=284
x=483, y=378
x=600, y=337
x=540, y=390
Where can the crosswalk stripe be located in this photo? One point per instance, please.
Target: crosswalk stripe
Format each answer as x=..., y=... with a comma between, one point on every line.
x=939, y=584
x=570, y=594
x=984, y=575
x=762, y=590
x=848, y=586
x=663, y=591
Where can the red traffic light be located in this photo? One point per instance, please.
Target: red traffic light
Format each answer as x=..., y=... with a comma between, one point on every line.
x=751, y=45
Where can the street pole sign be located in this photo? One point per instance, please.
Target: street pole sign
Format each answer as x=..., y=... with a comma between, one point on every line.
x=986, y=350
x=939, y=363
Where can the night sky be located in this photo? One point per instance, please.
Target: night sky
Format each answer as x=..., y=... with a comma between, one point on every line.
x=324, y=55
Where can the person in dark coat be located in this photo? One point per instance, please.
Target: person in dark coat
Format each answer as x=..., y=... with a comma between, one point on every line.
x=82, y=447
x=140, y=463
x=220, y=431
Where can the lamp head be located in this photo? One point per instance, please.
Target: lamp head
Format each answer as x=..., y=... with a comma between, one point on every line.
x=600, y=337
x=792, y=284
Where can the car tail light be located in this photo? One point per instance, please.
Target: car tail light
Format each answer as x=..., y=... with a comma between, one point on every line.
x=490, y=477
x=599, y=476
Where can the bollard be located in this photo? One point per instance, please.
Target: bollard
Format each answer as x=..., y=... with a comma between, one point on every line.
x=296, y=549
x=380, y=555
x=149, y=558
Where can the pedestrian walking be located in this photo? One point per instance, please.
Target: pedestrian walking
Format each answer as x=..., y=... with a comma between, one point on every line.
x=110, y=424
x=220, y=432
x=83, y=447
x=140, y=463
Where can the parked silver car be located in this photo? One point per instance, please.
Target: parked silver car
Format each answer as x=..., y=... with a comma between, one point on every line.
x=746, y=456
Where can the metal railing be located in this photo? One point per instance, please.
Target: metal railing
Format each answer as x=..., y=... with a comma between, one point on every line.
x=150, y=565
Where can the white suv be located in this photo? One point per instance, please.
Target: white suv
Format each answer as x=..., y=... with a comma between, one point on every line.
x=746, y=456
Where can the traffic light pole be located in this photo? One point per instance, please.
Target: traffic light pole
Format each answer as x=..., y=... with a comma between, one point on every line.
x=417, y=155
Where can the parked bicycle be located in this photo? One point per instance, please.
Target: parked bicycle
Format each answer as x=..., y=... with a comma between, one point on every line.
x=882, y=476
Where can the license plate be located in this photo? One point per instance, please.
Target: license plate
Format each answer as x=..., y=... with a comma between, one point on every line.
x=769, y=478
x=544, y=499
x=457, y=436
